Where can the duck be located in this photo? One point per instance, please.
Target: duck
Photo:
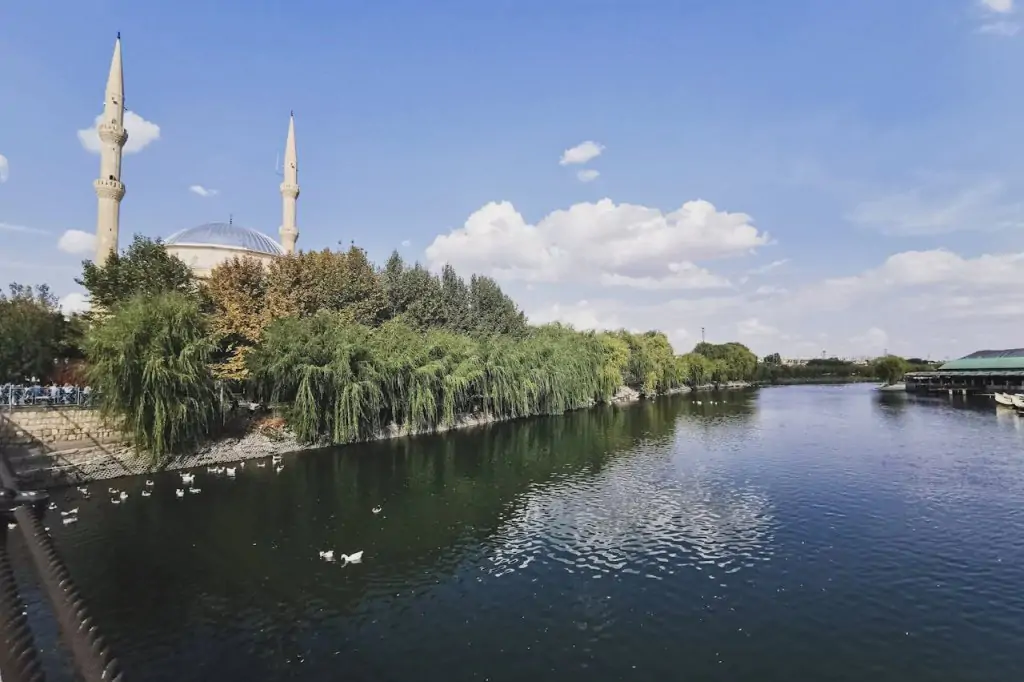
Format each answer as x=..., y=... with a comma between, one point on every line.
x=112, y=491
x=11, y=526
x=377, y=510
x=278, y=469
x=70, y=519
x=354, y=558
x=149, y=484
x=70, y=512
x=114, y=500
x=261, y=464
x=179, y=492
x=123, y=495
x=195, y=491
x=146, y=493
x=188, y=478
x=51, y=506
x=327, y=555
x=230, y=471
x=82, y=489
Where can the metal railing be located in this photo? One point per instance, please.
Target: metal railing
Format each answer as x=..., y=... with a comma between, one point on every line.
x=19, y=658
x=14, y=396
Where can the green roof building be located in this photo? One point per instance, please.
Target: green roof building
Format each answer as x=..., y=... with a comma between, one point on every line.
x=988, y=360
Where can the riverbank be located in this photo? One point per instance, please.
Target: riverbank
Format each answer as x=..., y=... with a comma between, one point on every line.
x=72, y=463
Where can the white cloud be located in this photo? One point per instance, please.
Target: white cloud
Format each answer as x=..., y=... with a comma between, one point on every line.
x=1000, y=28
x=5, y=168
x=406, y=243
x=917, y=303
x=587, y=175
x=681, y=276
x=74, y=303
x=581, y=153
x=140, y=134
x=8, y=227
x=600, y=241
x=203, y=191
x=764, y=269
x=873, y=342
x=940, y=209
x=998, y=6
x=77, y=242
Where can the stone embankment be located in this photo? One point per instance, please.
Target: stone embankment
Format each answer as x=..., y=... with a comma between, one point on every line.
x=44, y=458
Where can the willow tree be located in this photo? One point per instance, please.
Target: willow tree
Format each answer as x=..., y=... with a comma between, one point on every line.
x=149, y=363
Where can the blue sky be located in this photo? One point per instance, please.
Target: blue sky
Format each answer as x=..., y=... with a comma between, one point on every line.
x=853, y=167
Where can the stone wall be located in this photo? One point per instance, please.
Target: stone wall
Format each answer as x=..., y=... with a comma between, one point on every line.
x=49, y=425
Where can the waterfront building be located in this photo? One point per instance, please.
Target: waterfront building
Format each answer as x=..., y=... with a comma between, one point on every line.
x=202, y=247
x=984, y=371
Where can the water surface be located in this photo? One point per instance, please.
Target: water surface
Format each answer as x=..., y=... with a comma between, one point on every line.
x=815, y=533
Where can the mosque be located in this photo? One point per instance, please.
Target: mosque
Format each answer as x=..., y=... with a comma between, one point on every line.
x=203, y=247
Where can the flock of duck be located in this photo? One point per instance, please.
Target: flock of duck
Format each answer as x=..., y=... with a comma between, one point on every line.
x=188, y=486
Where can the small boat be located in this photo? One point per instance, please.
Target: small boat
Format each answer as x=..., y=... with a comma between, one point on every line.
x=899, y=386
x=1003, y=399
x=1018, y=401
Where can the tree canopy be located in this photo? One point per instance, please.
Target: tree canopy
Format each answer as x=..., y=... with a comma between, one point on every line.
x=145, y=267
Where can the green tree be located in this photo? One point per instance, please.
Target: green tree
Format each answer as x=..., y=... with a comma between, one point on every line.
x=145, y=267
x=150, y=362
x=890, y=368
x=236, y=292
x=491, y=310
x=33, y=334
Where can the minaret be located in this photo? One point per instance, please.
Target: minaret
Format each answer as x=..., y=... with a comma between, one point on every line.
x=109, y=188
x=290, y=191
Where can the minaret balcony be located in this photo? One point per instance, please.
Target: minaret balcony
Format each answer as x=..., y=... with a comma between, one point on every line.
x=113, y=133
x=289, y=191
x=109, y=189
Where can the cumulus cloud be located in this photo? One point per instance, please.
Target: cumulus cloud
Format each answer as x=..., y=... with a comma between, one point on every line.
x=141, y=133
x=77, y=242
x=765, y=269
x=928, y=303
x=75, y=302
x=581, y=153
x=203, y=191
x=587, y=175
x=619, y=244
x=5, y=168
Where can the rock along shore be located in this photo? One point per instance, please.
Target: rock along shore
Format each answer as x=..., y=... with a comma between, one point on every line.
x=74, y=464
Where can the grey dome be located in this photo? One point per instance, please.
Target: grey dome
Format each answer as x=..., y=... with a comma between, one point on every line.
x=225, y=234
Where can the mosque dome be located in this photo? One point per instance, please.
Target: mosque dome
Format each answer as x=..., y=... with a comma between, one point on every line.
x=227, y=235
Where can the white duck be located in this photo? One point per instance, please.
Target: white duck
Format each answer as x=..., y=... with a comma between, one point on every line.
x=327, y=555
x=278, y=469
x=150, y=484
x=70, y=512
x=377, y=510
x=188, y=479
x=230, y=471
x=195, y=491
x=179, y=492
x=83, y=490
x=70, y=519
x=353, y=558
x=114, y=500
x=146, y=493
x=123, y=496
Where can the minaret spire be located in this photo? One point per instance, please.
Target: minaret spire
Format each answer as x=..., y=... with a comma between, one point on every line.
x=290, y=191
x=109, y=188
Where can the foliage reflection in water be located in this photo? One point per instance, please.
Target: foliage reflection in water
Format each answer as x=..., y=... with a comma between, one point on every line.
x=818, y=532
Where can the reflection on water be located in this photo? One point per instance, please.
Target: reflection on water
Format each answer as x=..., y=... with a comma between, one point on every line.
x=822, y=533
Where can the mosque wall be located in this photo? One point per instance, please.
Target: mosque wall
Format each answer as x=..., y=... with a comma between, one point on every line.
x=203, y=259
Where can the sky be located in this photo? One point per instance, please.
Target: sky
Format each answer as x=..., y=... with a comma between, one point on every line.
x=802, y=176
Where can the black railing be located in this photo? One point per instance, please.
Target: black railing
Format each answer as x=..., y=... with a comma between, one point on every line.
x=19, y=659
x=14, y=396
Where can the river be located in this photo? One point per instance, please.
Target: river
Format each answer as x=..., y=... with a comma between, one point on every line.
x=818, y=533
